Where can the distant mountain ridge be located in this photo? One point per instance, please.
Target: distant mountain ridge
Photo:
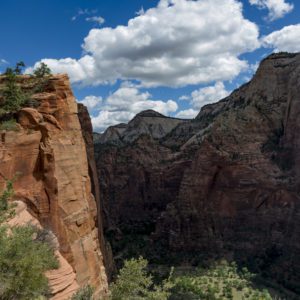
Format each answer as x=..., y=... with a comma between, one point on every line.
x=147, y=122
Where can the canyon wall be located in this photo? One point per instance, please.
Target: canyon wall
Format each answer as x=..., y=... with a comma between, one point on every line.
x=225, y=184
x=48, y=156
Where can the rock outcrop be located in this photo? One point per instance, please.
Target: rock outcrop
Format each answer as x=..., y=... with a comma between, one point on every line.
x=225, y=184
x=49, y=154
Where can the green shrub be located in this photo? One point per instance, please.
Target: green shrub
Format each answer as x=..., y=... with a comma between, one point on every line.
x=6, y=209
x=135, y=283
x=10, y=125
x=42, y=71
x=40, y=78
x=222, y=281
x=85, y=293
x=6, y=195
x=13, y=95
x=23, y=261
x=24, y=256
x=2, y=111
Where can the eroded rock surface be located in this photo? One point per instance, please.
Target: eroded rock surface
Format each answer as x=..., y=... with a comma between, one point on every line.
x=49, y=155
x=223, y=185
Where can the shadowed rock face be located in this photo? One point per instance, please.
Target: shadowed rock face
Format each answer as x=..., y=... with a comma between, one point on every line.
x=87, y=131
x=50, y=154
x=224, y=184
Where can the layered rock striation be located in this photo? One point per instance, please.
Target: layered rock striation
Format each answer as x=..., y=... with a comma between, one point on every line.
x=225, y=184
x=49, y=154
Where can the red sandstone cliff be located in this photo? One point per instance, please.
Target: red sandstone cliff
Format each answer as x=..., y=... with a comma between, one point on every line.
x=224, y=184
x=50, y=154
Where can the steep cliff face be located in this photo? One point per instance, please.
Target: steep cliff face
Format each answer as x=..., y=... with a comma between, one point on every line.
x=224, y=184
x=48, y=152
x=87, y=131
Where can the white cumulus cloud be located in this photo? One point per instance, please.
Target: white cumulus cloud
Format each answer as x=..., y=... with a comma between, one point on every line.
x=286, y=39
x=92, y=102
x=277, y=8
x=208, y=95
x=201, y=97
x=179, y=42
x=187, y=113
x=123, y=105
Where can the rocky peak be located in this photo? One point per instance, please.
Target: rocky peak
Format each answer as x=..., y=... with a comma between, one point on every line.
x=148, y=122
x=150, y=113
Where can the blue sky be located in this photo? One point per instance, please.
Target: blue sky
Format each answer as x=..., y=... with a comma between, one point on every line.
x=170, y=55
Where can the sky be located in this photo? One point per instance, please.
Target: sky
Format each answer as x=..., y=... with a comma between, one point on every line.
x=125, y=56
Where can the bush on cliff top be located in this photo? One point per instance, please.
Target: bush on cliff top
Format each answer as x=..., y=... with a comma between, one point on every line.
x=14, y=97
x=12, y=93
x=42, y=71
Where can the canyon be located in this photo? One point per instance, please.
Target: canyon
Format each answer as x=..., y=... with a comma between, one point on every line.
x=223, y=185
x=178, y=192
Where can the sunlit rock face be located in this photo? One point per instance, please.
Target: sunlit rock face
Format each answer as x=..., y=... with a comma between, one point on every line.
x=49, y=154
x=224, y=184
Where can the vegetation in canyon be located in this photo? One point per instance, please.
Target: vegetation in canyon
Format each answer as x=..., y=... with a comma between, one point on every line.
x=134, y=282
x=222, y=280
